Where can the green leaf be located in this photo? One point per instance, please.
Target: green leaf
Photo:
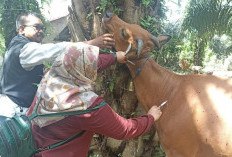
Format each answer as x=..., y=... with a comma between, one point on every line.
x=146, y=137
x=111, y=86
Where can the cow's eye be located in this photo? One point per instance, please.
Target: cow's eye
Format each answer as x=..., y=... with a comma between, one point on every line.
x=123, y=33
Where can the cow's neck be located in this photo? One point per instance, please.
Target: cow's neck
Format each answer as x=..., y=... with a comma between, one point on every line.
x=154, y=84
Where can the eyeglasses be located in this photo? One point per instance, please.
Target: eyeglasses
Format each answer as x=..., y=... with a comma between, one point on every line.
x=37, y=27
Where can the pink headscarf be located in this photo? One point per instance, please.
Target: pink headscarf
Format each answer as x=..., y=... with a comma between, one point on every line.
x=68, y=86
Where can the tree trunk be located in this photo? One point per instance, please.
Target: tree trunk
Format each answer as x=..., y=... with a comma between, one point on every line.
x=199, y=52
x=114, y=84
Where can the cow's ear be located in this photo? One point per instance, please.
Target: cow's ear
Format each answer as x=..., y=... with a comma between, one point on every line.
x=163, y=39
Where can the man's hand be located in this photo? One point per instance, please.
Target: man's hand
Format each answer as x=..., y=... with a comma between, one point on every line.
x=104, y=41
x=121, y=58
x=155, y=112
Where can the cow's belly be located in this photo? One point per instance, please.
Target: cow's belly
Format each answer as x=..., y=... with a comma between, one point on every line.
x=179, y=146
x=197, y=122
x=176, y=130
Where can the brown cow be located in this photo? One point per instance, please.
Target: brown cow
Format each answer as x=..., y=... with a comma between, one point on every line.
x=197, y=120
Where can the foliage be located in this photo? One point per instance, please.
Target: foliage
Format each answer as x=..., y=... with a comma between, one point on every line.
x=187, y=53
x=10, y=9
x=2, y=45
x=150, y=24
x=208, y=17
x=209, y=56
x=162, y=9
x=146, y=3
x=105, y=4
x=112, y=83
x=146, y=137
x=90, y=16
x=47, y=64
x=159, y=152
x=203, y=20
x=222, y=47
x=169, y=55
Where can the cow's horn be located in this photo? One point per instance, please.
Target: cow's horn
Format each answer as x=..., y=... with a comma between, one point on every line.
x=156, y=41
x=140, y=46
x=108, y=14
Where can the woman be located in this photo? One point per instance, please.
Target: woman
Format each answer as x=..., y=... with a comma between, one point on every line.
x=68, y=86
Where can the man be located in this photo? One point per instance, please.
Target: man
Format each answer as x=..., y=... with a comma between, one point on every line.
x=22, y=69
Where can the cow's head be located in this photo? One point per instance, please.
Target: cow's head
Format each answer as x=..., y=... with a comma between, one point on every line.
x=142, y=41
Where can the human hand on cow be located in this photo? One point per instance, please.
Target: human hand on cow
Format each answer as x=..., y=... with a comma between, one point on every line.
x=104, y=41
x=155, y=112
x=121, y=57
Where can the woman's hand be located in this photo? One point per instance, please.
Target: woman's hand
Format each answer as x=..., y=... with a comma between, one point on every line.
x=121, y=58
x=155, y=112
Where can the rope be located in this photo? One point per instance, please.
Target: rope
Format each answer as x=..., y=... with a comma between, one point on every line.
x=140, y=68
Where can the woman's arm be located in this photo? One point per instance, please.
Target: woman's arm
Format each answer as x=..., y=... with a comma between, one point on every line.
x=104, y=61
x=107, y=122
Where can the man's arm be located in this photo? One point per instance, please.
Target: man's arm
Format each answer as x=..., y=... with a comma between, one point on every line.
x=104, y=41
x=33, y=54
